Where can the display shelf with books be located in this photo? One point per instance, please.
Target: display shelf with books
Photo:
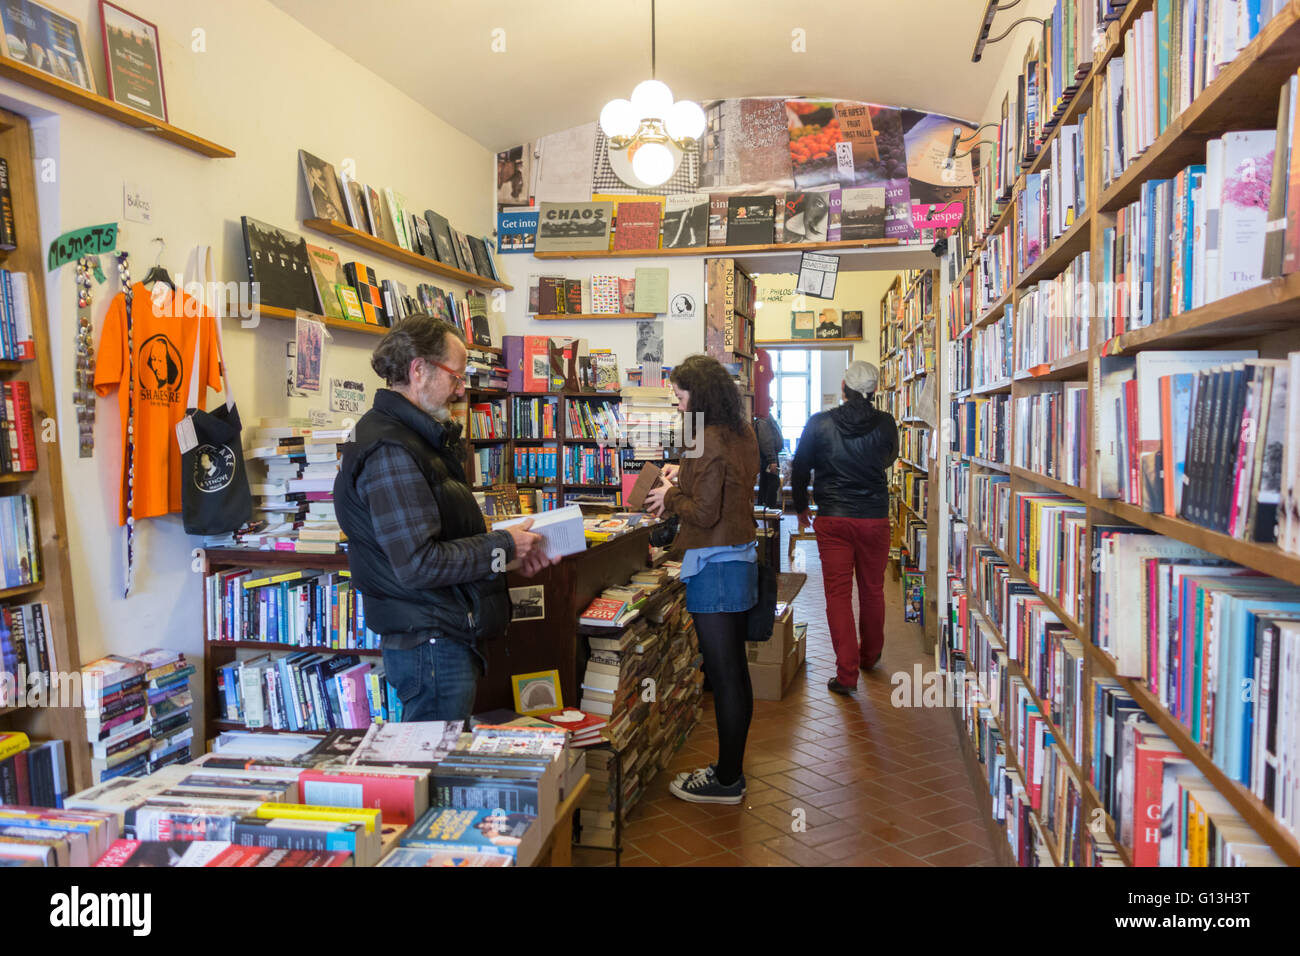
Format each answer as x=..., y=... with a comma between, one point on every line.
x=40, y=578
x=395, y=253
x=1149, y=365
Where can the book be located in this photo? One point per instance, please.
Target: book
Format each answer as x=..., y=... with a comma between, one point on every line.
x=327, y=273
x=862, y=212
x=574, y=227
x=718, y=203
x=751, y=220
x=686, y=221
x=636, y=225
x=278, y=262
x=561, y=529
x=322, y=188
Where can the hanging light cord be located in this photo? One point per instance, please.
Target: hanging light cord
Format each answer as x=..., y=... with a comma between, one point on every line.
x=652, y=39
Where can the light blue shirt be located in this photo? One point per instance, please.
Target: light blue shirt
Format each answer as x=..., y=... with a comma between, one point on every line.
x=696, y=558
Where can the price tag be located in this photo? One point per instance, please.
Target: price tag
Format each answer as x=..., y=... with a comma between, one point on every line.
x=185, y=435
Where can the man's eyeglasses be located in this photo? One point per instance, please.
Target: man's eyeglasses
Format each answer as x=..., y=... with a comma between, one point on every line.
x=459, y=377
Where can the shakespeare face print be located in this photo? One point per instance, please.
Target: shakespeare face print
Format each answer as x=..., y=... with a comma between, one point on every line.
x=159, y=370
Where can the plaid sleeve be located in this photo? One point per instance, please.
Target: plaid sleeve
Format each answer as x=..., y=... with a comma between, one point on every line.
x=405, y=519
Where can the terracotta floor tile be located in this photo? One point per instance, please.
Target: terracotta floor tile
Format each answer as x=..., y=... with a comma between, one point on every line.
x=663, y=851
x=830, y=832
x=753, y=832
x=931, y=843
x=968, y=854
x=854, y=809
x=792, y=849
x=725, y=858
x=691, y=840
x=756, y=854
x=976, y=833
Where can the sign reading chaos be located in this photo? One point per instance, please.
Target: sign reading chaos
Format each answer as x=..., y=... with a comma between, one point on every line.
x=86, y=241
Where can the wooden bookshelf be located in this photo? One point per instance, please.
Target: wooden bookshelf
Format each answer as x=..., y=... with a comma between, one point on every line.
x=723, y=251
x=1243, y=96
x=597, y=315
x=103, y=106
x=730, y=294
x=395, y=253
x=46, y=484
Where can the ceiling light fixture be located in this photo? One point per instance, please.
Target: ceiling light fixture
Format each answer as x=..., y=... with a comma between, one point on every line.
x=654, y=129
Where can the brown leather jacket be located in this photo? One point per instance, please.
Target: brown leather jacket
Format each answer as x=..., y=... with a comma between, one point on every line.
x=714, y=495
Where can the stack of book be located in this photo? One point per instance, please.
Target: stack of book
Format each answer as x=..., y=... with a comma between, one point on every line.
x=651, y=422
x=32, y=773
x=295, y=510
x=117, y=716
x=169, y=702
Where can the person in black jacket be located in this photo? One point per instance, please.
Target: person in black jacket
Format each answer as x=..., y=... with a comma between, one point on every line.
x=431, y=575
x=770, y=442
x=848, y=449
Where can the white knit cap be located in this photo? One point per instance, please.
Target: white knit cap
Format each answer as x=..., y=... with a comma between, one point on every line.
x=862, y=377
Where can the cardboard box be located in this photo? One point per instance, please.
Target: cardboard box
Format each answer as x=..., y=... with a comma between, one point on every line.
x=775, y=649
x=771, y=681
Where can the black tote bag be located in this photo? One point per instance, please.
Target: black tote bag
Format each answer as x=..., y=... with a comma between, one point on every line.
x=762, y=616
x=215, y=497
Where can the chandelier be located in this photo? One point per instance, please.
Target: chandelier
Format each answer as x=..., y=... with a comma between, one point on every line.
x=655, y=130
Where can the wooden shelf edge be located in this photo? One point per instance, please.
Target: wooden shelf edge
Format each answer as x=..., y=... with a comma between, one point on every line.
x=394, y=253
x=596, y=315
x=1058, y=256
x=842, y=245
x=315, y=648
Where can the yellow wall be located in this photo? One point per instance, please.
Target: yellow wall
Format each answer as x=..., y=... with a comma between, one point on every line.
x=853, y=290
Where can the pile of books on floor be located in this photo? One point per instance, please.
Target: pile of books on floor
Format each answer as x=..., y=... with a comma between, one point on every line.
x=418, y=794
x=643, y=676
x=32, y=773
x=294, y=510
x=138, y=712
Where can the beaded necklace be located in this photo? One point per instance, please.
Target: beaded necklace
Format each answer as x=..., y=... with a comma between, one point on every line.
x=124, y=274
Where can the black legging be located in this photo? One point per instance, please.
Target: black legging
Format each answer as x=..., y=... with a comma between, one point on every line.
x=722, y=642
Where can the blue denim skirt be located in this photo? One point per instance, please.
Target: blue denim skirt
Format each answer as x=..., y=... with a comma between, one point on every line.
x=723, y=587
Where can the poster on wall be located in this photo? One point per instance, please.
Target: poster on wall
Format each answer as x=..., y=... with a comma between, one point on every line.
x=515, y=176
x=310, y=340
x=46, y=40
x=132, y=60
x=817, y=275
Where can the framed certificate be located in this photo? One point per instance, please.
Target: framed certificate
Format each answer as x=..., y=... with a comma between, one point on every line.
x=46, y=40
x=132, y=61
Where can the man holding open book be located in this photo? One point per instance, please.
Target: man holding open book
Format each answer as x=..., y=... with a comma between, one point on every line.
x=432, y=576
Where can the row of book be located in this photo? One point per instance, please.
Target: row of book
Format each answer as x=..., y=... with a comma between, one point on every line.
x=32, y=773
x=982, y=426
x=544, y=363
x=298, y=606
x=1052, y=316
x=27, y=651
x=1051, y=434
x=16, y=340
x=1171, y=54
x=991, y=352
x=422, y=794
x=1202, y=435
x=592, y=466
x=602, y=294
x=536, y=465
x=1048, y=541
x=487, y=465
x=595, y=420
x=17, y=433
x=487, y=420
x=1051, y=200
x=138, y=712
x=914, y=489
x=1163, y=809
x=956, y=366
x=306, y=691
x=20, y=543
x=533, y=417
x=990, y=505
x=391, y=217
x=914, y=446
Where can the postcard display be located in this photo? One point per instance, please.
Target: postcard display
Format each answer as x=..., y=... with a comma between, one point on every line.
x=881, y=168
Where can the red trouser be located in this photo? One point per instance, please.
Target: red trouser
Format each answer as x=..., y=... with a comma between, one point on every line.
x=848, y=547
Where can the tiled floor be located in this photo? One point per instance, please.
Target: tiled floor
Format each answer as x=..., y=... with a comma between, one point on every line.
x=832, y=781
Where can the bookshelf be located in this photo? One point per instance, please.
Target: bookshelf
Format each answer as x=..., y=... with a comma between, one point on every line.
x=103, y=106
x=730, y=295
x=908, y=366
x=1243, y=96
x=46, y=484
x=563, y=442
x=840, y=245
x=395, y=253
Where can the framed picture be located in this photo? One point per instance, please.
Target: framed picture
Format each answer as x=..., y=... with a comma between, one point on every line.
x=536, y=693
x=46, y=40
x=132, y=61
x=528, y=604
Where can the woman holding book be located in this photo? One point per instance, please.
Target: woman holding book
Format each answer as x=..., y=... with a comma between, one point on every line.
x=712, y=494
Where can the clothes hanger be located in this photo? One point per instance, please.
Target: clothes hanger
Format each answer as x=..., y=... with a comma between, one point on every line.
x=158, y=273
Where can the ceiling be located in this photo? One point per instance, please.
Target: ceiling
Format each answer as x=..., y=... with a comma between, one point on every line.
x=564, y=59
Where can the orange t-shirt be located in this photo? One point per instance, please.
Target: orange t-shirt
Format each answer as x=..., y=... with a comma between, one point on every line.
x=164, y=354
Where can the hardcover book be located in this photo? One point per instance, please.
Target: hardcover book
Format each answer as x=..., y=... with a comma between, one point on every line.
x=363, y=281
x=424, y=238
x=806, y=217
x=322, y=188
x=278, y=262
x=751, y=220
x=637, y=225
x=1247, y=170
x=862, y=213
x=574, y=227
x=441, y=238
x=686, y=221
x=380, y=216
x=718, y=219
x=327, y=273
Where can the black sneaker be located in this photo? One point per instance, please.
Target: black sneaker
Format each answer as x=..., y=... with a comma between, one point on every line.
x=834, y=685
x=703, y=787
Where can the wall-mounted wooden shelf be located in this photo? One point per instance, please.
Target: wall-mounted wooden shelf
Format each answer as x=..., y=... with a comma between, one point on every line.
x=808, y=342
x=723, y=251
x=71, y=93
x=275, y=312
x=597, y=315
x=395, y=253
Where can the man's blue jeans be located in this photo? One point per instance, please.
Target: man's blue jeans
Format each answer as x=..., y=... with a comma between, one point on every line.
x=435, y=680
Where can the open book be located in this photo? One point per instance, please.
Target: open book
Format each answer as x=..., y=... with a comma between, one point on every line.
x=561, y=529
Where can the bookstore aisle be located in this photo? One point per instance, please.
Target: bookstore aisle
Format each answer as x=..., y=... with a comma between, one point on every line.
x=879, y=785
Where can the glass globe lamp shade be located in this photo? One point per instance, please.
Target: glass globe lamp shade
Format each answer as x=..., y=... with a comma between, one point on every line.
x=685, y=120
x=652, y=100
x=618, y=118
x=653, y=164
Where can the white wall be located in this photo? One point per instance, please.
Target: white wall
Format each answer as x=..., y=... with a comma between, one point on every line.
x=264, y=86
x=853, y=290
